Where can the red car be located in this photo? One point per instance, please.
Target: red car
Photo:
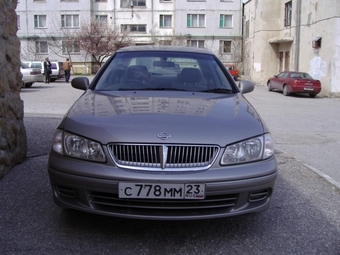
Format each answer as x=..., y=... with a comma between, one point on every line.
x=294, y=82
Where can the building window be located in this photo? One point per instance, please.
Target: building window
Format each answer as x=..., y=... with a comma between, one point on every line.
x=247, y=29
x=39, y=21
x=165, y=20
x=69, y=20
x=196, y=20
x=134, y=3
x=18, y=21
x=100, y=1
x=195, y=43
x=69, y=0
x=41, y=47
x=165, y=42
x=134, y=28
x=288, y=14
x=70, y=47
x=166, y=0
x=226, y=21
x=225, y=46
x=102, y=19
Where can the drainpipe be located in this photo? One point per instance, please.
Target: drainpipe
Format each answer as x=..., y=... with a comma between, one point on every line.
x=297, y=36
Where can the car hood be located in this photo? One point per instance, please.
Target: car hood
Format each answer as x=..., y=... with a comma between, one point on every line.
x=143, y=116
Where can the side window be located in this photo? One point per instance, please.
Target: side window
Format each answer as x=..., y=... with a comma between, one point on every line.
x=196, y=20
x=41, y=47
x=165, y=21
x=40, y=21
x=226, y=21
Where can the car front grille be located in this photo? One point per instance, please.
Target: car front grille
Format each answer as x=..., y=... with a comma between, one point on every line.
x=109, y=202
x=163, y=157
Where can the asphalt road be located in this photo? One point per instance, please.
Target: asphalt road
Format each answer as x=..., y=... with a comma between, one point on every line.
x=303, y=219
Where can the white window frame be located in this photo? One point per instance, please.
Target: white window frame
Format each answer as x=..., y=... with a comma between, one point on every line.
x=102, y=19
x=225, y=22
x=163, y=22
x=195, y=20
x=138, y=27
x=165, y=42
x=18, y=21
x=225, y=49
x=134, y=3
x=41, y=47
x=288, y=14
x=39, y=21
x=75, y=49
x=74, y=22
x=196, y=43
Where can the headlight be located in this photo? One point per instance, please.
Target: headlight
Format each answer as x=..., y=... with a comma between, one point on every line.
x=77, y=146
x=257, y=148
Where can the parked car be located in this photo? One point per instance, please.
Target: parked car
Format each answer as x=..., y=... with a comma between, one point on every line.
x=294, y=82
x=30, y=75
x=232, y=70
x=146, y=143
x=56, y=67
x=35, y=64
x=57, y=71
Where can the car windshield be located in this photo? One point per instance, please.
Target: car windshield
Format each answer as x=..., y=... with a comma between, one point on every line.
x=163, y=70
x=301, y=76
x=23, y=65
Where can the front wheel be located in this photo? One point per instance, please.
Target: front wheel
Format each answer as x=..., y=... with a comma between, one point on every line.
x=28, y=85
x=269, y=86
x=285, y=90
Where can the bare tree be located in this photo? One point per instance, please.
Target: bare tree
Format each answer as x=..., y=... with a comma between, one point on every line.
x=100, y=40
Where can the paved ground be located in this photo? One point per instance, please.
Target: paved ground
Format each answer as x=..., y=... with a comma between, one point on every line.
x=303, y=219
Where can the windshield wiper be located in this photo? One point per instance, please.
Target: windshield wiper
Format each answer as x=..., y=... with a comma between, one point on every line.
x=219, y=90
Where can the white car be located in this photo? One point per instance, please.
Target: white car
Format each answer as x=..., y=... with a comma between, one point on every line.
x=30, y=75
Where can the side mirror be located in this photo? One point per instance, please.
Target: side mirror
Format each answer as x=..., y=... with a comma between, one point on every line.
x=246, y=86
x=82, y=83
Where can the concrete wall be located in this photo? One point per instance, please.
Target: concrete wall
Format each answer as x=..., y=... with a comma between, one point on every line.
x=268, y=37
x=149, y=15
x=13, y=141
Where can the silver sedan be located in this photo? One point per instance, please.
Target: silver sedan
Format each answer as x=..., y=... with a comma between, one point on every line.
x=163, y=133
x=30, y=75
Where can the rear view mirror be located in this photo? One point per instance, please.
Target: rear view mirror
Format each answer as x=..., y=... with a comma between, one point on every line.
x=163, y=64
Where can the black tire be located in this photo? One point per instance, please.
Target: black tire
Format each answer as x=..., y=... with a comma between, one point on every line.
x=269, y=86
x=285, y=90
x=312, y=95
x=28, y=85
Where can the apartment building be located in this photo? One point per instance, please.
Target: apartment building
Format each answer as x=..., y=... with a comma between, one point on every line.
x=293, y=35
x=213, y=24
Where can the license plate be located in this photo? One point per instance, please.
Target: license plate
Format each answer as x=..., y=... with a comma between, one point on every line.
x=161, y=190
x=309, y=89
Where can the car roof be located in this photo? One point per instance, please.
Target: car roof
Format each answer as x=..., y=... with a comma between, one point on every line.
x=166, y=48
x=294, y=72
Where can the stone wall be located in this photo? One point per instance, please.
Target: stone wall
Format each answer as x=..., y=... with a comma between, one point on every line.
x=13, y=140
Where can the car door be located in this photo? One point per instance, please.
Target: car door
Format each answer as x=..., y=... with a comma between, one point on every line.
x=275, y=81
x=281, y=80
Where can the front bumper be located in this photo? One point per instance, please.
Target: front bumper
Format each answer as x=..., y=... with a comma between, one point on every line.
x=226, y=194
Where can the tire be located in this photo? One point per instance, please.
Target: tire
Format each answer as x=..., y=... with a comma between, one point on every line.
x=312, y=95
x=269, y=86
x=285, y=90
x=28, y=85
